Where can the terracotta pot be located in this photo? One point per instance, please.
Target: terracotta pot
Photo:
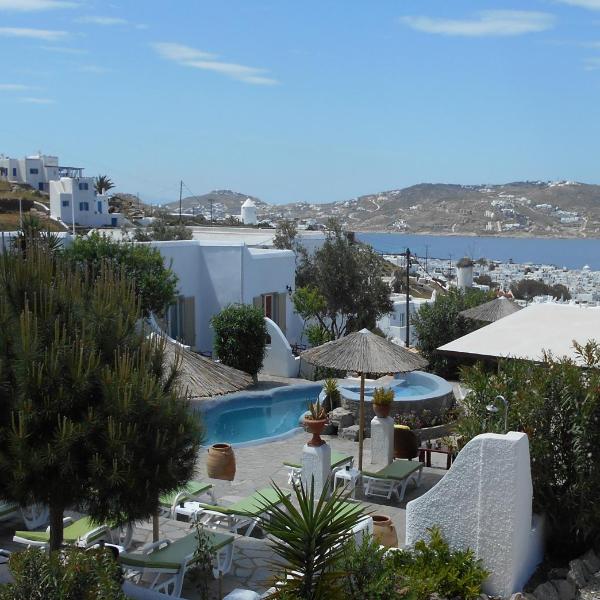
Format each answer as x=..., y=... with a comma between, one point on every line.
x=406, y=444
x=382, y=410
x=221, y=462
x=316, y=428
x=384, y=531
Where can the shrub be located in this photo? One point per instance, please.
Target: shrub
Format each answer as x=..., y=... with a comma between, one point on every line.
x=241, y=337
x=557, y=403
x=382, y=396
x=71, y=574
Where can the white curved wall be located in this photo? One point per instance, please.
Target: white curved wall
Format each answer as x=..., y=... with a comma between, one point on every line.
x=484, y=503
x=279, y=359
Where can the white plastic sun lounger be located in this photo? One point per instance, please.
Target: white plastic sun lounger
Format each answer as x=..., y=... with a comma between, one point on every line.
x=390, y=479
x=83, y=533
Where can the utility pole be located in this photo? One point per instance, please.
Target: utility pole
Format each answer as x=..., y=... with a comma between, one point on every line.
x=407, y=298
x=180, y=195
x=426, y=256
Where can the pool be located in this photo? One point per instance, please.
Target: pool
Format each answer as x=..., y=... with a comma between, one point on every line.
x=256, y=417
x=413, y=392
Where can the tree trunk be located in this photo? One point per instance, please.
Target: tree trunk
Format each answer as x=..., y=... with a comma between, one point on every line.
x=155, y=528
x=56, y=527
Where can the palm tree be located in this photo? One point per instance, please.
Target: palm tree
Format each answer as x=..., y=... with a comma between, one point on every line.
x=103, y=184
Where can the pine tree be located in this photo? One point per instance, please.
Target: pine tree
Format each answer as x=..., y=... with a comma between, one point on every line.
x=89, y=419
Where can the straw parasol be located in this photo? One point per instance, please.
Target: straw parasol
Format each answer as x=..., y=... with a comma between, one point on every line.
x=364, y=352
x=202, y=376
x=492, y=311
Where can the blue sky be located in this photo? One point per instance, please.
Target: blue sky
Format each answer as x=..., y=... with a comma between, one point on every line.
x=313, y=100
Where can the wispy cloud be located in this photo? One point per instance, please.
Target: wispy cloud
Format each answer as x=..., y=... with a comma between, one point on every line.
x=197, y=59
x=105, y=21
x=592, y=63
x=48, y=35
x=590, y=4
x=13, y=87
x=484, y=23
x=34, y=5
x=32, y=100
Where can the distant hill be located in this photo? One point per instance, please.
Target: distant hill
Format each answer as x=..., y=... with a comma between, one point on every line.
x=522, y=208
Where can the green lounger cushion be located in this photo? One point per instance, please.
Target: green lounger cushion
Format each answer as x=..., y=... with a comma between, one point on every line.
x=191, y=488
x=253, y=505
x=71, y=533
x=345, y=507
x=398, y=470
x=7, y=508
x=337, y=459
x=174, y=554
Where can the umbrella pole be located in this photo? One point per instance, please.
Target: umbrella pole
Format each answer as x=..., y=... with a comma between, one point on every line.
x=361, y=421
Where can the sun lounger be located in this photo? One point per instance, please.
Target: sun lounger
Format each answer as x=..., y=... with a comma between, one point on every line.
x=166, y=561
x=192, y=490
x=34, y=515
x=338, y=461
x=82, y=533
x=236, y=516
x=390, y=479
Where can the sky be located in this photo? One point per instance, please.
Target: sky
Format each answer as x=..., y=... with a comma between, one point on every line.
x=316, y=101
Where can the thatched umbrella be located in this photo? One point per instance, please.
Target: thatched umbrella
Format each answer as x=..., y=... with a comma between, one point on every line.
x=492, y=311
x=364, y=352
x=202, y=376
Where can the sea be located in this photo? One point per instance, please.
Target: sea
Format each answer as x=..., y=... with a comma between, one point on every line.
x=569, y=253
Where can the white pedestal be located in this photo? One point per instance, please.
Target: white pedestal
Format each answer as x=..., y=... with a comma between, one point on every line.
x=316, y=466
x=382, y=440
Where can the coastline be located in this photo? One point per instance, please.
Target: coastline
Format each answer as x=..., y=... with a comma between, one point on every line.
x=511, y=235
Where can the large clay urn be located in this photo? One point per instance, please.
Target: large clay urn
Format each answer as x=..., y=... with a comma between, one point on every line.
x=221, y=462
x=315, y=426
x=384, y=531
x=382, y=410
x=406, y=444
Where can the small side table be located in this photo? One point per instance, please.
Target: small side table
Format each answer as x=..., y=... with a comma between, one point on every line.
x=347, y=476
x=425, y=455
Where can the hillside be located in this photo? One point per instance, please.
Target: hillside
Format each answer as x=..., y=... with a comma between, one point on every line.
x=224, y=203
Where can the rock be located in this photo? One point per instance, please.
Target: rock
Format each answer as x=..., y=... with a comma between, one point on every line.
x=329, y=429
x=578, y=573
x=349, y=433
x=558, y=573
x=546, y=591
x=517, y=596
x=341, y=418
x=240, y=594
x=591, y=561
x=566, y=589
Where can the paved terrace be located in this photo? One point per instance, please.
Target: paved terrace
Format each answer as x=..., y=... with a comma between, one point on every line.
x=256, y=467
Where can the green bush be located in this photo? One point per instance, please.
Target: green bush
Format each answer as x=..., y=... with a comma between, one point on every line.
x=241, y=337
x=71, y=574
x=557, y=403
x=430, y=568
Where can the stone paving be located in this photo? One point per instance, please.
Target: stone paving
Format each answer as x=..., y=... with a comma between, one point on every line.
x=257, y=466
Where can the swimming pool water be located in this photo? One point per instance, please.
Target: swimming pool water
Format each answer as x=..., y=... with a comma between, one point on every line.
x=400, y=391
x=247, y=417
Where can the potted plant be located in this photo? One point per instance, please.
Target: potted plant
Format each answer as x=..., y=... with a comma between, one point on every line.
x=382, y=402
x=315, y=422
x=332, y=393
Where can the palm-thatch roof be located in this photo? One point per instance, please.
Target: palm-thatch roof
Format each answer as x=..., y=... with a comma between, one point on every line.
x=364, y=352
x=202, y=376
x=492, y=311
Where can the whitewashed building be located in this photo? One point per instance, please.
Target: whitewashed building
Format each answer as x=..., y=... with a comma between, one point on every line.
x=37, y=170
x=74, y=200
x=394, y=323
x=248, y=215
x=213, y=274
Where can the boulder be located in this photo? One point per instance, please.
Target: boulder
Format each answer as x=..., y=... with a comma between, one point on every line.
x=566, y=589
x=578, y=573
x=341, y=418
x=349, y=433
x=546, y=591
x=591, y=561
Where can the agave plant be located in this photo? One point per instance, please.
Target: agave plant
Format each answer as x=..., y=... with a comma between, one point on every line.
x=317, y=411
x=309, y=535
x=332, y=392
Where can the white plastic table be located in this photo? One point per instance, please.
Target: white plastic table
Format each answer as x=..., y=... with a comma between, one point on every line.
x=347, y=476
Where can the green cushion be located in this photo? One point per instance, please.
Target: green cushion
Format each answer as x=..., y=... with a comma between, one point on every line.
x=253, y=505
x=337, y=459
x=191, y=488
x=346, y=507
x=397, y=470
x=172, y=556
x=71, y=533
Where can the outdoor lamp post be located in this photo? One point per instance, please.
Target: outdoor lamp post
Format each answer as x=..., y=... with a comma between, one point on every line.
x=493, y=409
